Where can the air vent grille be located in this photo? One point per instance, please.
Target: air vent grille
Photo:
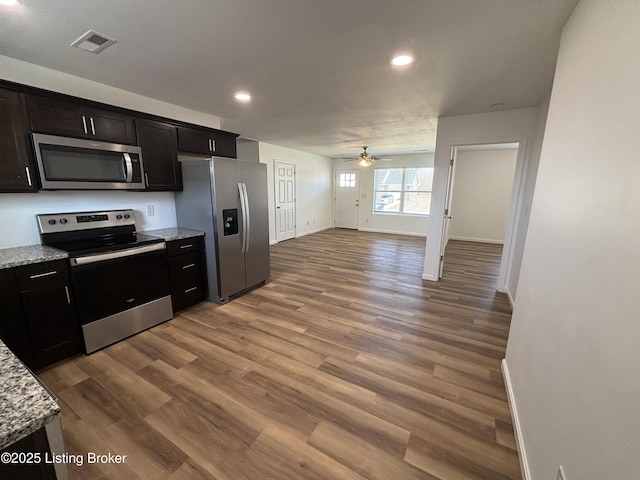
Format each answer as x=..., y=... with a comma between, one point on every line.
x=93, y=42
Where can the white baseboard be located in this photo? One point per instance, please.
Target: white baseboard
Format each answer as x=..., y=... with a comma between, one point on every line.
x=478, y=240
x=316, y=230
x=429, y=277
x=393, y=232
x=522, y=454
x=512, y=300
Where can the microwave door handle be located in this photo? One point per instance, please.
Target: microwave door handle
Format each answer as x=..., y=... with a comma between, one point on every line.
x=128, y=167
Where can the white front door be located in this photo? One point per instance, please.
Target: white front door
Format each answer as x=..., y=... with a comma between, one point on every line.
x=285, y=201
x=347, y=199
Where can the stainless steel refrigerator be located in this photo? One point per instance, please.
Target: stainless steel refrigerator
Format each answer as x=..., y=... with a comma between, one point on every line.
x=227, y=200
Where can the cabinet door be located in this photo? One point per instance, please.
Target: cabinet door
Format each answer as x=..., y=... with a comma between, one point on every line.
x=225, y=145
x=159, y=144
x=191, y=140
x=110, y=126
x=13, y=328
x=50, y=115
x=207, y=142
x=36, y=443
x=17, y=171
x=49, y=313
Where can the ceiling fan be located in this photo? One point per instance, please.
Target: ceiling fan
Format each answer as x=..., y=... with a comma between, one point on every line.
x=365, y=159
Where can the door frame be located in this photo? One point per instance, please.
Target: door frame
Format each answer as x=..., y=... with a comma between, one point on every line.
x=515, y=207
x=335, y=192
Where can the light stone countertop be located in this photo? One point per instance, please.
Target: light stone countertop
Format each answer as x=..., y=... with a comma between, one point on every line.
x=169, y=234
x=25, y=404
x=18, y=256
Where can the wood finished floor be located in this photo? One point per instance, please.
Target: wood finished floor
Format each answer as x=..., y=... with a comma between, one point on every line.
x=346, y=366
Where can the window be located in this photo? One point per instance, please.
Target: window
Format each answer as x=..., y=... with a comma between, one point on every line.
x=347, y=180
x=402, y=190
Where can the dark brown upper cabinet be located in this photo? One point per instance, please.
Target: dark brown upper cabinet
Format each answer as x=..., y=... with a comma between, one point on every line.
x=207, y=142
x=17, y=170
x=159, y=144
x=51, y=115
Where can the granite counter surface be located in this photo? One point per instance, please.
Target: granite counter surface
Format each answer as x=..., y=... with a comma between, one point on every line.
x=18, y=256
x=169, y=234
x=25, y=405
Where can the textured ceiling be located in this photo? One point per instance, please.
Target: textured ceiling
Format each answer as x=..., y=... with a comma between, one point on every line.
x=318, y=70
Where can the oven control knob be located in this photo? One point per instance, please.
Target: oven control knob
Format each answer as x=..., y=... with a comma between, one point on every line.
x=63, y=221
x=126, y=215
x=118, y=217
x=52, y=222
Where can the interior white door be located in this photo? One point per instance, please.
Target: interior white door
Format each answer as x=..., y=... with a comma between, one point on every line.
x=447, y=211
x=347, y=198
x=285, y=178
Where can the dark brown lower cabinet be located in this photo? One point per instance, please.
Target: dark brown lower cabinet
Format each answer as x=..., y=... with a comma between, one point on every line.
x=32, y=457
x=38, y=321
x=187, y=271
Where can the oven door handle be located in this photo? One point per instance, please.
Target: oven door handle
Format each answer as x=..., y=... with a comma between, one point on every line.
x=100, y=257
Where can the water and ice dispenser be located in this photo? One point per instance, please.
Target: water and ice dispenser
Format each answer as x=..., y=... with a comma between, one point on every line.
x=230, y=221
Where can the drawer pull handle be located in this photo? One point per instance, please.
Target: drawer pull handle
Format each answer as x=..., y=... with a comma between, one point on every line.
x=66, y=290
x=190, y=289
x=191, y=265
x=46, y=274
x=187, y=246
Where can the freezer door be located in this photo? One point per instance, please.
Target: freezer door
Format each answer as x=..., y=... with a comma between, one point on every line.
x=231, y=274
x=257, y=262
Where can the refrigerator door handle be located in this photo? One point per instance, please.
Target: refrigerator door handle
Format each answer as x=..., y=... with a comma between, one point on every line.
x=247, y=236
x=243, y=210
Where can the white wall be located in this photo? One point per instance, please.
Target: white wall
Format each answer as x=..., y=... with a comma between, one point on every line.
x=482, y=194
x=495, y=127
x=384, y=222
x=18, y=210
x=524, y=209
x=314, y=188
x=248, y=150
x=573, y=353
x=36, y=76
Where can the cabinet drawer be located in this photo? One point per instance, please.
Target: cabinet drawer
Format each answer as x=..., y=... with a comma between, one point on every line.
x=186, y=245
x=187, y=292
x=183, y=266
x=41, y=274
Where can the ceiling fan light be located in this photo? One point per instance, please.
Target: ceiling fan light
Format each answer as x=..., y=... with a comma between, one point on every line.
x=364, y=161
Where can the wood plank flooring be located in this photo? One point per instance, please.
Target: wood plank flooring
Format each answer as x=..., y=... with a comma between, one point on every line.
x=346, y=366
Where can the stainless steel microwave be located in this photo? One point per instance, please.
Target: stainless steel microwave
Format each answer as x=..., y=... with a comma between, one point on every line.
x=79, y=164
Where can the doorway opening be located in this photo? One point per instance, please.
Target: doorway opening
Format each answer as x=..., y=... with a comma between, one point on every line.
x=482, y=198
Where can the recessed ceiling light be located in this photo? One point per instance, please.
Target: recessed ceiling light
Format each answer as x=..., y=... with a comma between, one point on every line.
x=401, y=60
x=9, y=3
x=243, y=97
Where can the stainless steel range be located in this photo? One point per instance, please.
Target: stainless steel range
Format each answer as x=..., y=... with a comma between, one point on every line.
x=120, y=277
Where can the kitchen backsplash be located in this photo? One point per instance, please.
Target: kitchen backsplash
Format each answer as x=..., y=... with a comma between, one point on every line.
x=18, y=212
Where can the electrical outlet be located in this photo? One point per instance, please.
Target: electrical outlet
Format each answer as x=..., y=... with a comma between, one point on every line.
x=150, y=211
x=560, y=475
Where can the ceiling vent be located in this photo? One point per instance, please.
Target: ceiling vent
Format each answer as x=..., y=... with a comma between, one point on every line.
x=93, y=42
